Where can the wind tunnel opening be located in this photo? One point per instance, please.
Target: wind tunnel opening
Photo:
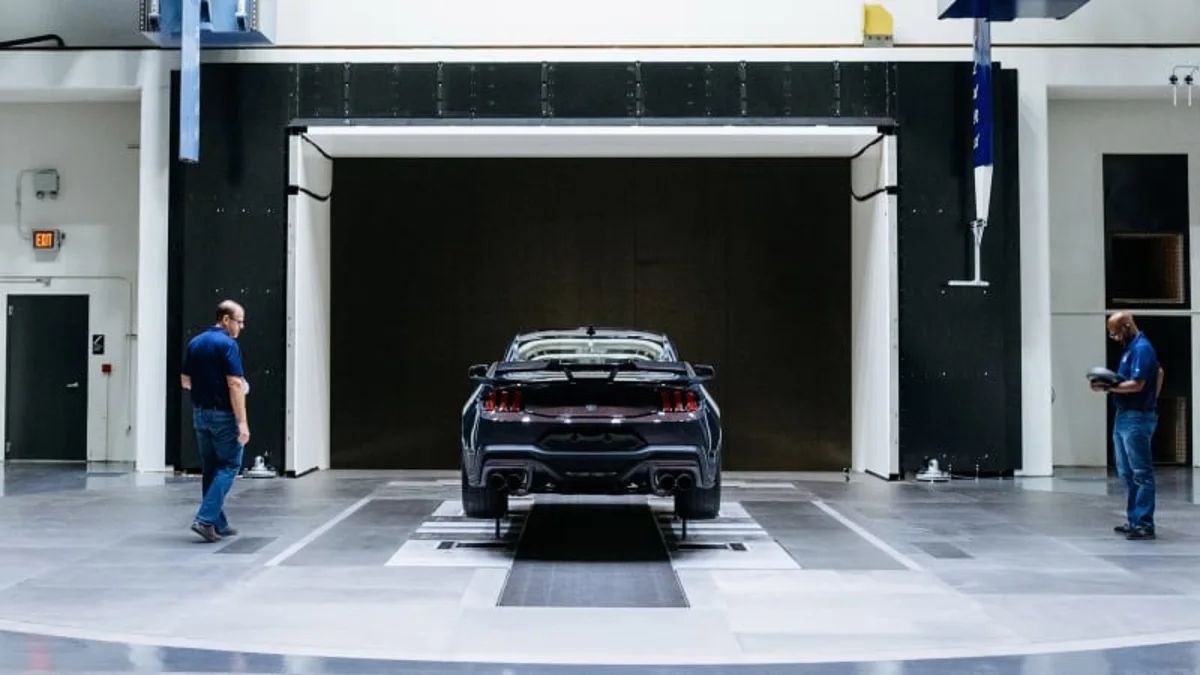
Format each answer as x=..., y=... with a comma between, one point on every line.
x=437, y=262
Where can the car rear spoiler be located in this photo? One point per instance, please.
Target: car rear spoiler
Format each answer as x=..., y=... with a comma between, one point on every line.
x=503, y=371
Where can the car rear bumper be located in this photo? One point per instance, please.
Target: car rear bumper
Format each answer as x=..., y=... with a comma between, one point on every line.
x=591, y=455
x=651, y=469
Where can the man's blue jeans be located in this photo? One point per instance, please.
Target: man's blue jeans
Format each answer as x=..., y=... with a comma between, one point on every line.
x=1132, y=431
x=220, y=461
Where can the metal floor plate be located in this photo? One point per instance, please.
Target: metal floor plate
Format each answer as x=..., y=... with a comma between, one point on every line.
x=592, y=555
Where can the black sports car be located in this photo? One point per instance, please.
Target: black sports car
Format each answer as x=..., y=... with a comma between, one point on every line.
x=591, y=411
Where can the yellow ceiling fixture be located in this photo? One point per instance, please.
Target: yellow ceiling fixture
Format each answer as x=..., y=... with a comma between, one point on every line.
x=877, y=26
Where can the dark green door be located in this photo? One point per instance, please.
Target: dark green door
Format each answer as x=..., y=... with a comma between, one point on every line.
x=46, y=399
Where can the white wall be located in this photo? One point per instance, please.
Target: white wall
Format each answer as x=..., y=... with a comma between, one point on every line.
x=1081, y=132
x=309, y=286
x=97, y=208
x=534, y=23
x=875, y=434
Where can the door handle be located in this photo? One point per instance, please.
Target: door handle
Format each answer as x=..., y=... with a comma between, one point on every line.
x=73, y=385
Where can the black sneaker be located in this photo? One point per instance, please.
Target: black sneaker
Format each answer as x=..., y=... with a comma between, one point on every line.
x=207, y=531
x=1141, y=533
x=1122, y=529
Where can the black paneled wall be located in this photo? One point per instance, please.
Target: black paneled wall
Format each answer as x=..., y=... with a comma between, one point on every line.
x=228, y=239
x=228, y=214
x=960, y=348
x=846, y=93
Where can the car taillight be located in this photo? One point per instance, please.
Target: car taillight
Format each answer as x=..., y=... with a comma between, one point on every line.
x=504, y=400
x=677, y=400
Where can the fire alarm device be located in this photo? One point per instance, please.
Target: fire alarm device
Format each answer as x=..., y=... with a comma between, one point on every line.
x=47, y=240
x=106, y=368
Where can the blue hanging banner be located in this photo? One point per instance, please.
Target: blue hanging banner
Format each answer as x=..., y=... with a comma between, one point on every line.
x=189, y=82
x=981, y=153
x=981, y=79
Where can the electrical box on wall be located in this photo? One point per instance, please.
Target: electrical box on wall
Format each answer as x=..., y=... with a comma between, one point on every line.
x=45, y=183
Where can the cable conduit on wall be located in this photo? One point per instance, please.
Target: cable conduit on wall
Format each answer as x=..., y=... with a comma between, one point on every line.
x=310, y=141
x=46, y=37
x=293, y=190
x=889, y=189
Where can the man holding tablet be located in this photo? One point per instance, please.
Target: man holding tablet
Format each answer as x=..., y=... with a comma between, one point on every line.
x=1135, y=398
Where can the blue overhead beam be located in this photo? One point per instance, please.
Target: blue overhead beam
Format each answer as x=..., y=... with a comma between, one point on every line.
x=193, y=25
x=189, y=82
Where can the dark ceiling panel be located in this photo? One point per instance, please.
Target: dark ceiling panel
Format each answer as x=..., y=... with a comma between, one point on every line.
x=864, y=89
x=321, y=90
x=510, y=89
x=813, y=88
x=725, y=89
x=593, y=89
x=791, y=90
x=386, y=90
x=456, y=97
x=674, y=90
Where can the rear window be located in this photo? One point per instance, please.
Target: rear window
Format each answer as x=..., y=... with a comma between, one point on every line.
x=590, y=350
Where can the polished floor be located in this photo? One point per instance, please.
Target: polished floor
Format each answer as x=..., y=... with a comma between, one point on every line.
x=378, y=572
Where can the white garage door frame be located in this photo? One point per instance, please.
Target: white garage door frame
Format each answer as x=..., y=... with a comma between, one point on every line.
x=874, y=297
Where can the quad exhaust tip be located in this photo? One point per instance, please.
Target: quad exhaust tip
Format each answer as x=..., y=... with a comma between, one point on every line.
x=671, y=482
x=506, y=480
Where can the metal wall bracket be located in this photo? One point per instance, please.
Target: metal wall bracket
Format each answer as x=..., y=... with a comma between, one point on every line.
x=977, y=228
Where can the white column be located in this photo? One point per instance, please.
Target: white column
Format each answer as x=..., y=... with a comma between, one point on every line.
x=1037, y=427
x=307, y=438
x=149, y=425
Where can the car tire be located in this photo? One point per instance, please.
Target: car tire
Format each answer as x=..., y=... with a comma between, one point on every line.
x=480, y=502
x=700, y=503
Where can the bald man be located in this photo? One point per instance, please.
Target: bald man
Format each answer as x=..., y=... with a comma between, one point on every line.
x=1135, y=399
x=213, y=373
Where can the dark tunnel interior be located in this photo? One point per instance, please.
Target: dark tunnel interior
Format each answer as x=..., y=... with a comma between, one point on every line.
x=437, y=263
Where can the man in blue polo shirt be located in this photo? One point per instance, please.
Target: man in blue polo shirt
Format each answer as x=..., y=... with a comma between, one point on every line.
x=1136, y=402
x=212, y=371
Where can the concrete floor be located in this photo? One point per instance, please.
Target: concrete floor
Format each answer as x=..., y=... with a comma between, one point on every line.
x=347, y=571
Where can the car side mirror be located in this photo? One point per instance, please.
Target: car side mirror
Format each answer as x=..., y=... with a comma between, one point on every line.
x=478, y=372
x=704, y=371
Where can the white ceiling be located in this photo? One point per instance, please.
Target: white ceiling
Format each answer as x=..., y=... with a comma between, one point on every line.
x=591, y=141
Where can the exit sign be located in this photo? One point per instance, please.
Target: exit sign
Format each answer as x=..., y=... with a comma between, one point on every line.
x=47, y=240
